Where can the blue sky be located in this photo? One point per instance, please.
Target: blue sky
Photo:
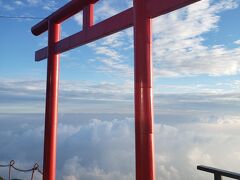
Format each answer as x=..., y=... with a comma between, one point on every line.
x=196, y=58
x=216, y=31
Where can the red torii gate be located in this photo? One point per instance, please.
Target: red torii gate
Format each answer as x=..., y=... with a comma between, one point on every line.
x=139, y=16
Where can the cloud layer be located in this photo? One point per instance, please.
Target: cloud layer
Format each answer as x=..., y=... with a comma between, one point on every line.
x=86, y=97
x=94, y=148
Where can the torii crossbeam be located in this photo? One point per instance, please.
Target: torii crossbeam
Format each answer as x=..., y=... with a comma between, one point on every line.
x=139, y=16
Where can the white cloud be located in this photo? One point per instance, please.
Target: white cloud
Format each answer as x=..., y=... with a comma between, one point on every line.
x=29, y=5
x=8, y=7
x=19, y=3
x=237, y=42
x=79, y=18
x=111, y=53
x=196, y=155
x=28, y=96
x=179, y=44
x=50, y=6
x=33, y=2
x=104, y=9
x=106, y=97
x=104, y=149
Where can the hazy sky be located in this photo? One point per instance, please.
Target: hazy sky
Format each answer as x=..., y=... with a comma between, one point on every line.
x=196, y=59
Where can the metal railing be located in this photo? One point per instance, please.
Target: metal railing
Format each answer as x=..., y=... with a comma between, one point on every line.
x=219, y=173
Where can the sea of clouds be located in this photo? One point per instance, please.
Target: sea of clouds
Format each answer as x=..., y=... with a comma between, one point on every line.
x=194, y=124
x=101, y=146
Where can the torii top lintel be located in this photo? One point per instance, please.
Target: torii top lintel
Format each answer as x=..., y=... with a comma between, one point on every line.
x=109, y=26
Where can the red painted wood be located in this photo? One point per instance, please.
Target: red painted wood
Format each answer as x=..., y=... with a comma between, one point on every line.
x=51, y=111
x=88, y=16
x=140, y=17
x=154, y=8
x=109, y=26
x=144, y=137
x=65, y=12
x=41, y=54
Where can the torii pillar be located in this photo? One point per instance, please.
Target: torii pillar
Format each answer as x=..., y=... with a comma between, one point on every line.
x=143, y=96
